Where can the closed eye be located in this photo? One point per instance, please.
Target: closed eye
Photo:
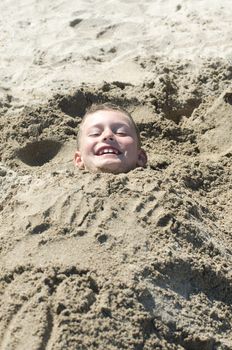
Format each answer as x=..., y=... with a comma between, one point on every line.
x=94, y=134
x=121, y=133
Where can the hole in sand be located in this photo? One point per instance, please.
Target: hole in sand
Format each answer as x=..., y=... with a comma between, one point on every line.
x=180, y=277
x=40, y=228
x=75, y=22
x=38, y=153
x=102, y=238
x=75, y=105
x=175, y=111
x=228, y=98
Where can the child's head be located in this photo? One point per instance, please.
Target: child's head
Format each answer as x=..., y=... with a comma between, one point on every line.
x=109, y=141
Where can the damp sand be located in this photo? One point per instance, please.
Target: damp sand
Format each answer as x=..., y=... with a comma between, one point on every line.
x=130, y=261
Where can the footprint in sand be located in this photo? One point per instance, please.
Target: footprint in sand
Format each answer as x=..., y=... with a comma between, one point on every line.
x=35, y=302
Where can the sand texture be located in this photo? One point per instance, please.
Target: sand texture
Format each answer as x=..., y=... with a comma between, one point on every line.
x=135, y=261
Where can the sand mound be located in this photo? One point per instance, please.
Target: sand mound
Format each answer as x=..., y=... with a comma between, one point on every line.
x=130, y=261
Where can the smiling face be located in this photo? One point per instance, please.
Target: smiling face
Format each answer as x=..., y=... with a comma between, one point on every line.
x=109, y=143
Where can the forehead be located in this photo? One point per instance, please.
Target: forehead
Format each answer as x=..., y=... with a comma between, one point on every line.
x=105, y=117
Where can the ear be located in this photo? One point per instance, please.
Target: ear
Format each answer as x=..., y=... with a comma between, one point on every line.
x=78, y=160
x=142, y=158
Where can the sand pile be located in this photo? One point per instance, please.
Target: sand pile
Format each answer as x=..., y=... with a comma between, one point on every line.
x=131, y=261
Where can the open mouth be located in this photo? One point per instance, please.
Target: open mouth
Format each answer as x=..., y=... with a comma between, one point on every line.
x=107, y=150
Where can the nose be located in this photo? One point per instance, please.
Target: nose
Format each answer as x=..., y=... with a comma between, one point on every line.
x=108, y=134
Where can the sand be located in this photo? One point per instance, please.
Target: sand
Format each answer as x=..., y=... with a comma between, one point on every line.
x=131, y=261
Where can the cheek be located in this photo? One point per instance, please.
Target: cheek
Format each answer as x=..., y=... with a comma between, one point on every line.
x=130, y=144
x=88, y=146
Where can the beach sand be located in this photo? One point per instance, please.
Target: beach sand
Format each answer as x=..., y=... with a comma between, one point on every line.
x=131, y=261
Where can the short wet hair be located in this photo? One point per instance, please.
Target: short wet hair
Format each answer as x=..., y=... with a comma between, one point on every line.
x=107, y=107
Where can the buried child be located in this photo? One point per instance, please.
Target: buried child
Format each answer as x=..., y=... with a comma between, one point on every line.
x=109, y=141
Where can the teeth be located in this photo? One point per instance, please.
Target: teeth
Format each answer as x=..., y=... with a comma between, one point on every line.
x=108, y=150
